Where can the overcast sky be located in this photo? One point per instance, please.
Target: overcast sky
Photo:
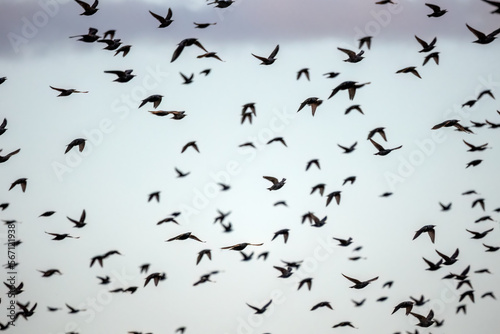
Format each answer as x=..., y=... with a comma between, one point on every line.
x=130, y=153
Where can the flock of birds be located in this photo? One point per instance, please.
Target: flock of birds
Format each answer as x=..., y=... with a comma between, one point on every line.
x=463, y=277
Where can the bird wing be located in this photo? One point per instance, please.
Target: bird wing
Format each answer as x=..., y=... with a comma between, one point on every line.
x=177, y=53
x=275, y=51
x=477, y=33
x=169, y=14
x=433, y=7
x=348, y=52
x=84, y=5
x=377, y=145
x=158, y=17
x=422, y=42
x=271, y=178
x=352, y=279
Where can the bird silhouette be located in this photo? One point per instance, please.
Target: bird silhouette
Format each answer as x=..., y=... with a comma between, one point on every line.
x=359, y=284
x=88, y=9
x=164, y=21
x=270, y=59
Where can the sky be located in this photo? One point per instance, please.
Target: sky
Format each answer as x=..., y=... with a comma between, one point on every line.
x=131, y=153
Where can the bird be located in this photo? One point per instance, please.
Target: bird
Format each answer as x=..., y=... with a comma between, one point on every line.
x=276, y=184
x=473, y=163
x=112, y=44
x=322, y=304
x=79, y=223
x=449, y=123
x=241, y=246
x=485, y=92
x=203, y=25
x=61, y=236
x=424, y=321
x=349, y=149
x=104, y=280
x=473, y=148
x=314, y=102
x=184, y=236
x=305, y=72
x=358, y=303
x=154, y=195
x=176, y=114
x=354, y=107
x=210, y=55
x=246, y=257
x=3, y=126
x=80, y=142
x=445, y=207
x=123, y=76
x=184, y=43
x=4, y=158
x=488, y=294
x=491, y=248
x=468, y=293
x=155, y=99
x=187, y=80
x=429, y=229
x=22, y=182
x=332, y=195
x=433, y=266
x=50, y=272
x=307, y=281
x=319, y=187
x=462, y=308
x=381, y=150
x=410, y=69
x=359, y=284
x=73, y=310
x=469, y=103
x=312, y=162
x=125, y=49
x=482, y=38
x=2, y=80
x=221, y=3
x=283, y=232
x=433, y=55
x=277, y=139
x=365, y=40
x=156, y=277
x=180, y=173
x=89, y=37
x=449, y=260
x=353, y=57
x=67, y=92
x=262, y=309
x=426, y=47
x=344, y=242
x=420, y=301
x=190, y=144
x=100, y=258
x=436, y=10
x=331, y=75
x=88, y=9
x=479, y=235
x=270, y=59
x=344, y=324
x=285, y=272
x=407, y=305
x=47, y=214
x=164, y=21
x=350, y=86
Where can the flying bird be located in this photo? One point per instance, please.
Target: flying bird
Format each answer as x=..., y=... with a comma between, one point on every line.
x=482, y=38
x=67, y=92
x=426, y=47
x=350, y=86
x=122, y=76
x=436, y=10
x=185, y=236
x=88, y=9
x=276, y=184
x=4, y=158
x=451, y=122
x=79, y=223
x=184, y=43
x=269, y=60
x=262, y=309
x=353, y=57
x=190, y=144
x=381, y=150
x=164, y=21
x=155, y=99
x=314, y=102
x=429, y=229
x=410, y=69
x=305, y=72
x=80, y=142
x=359, y=284
x=22, y=182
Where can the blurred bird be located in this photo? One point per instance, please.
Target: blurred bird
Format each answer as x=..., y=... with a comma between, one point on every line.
x=67, y=92
x=305, y=72
x=307, y=281
x=262, y=309
x=283, y=232
x=156, y=277
x=3, y=126
x=22, y=182
x=479, y=235
x=349, y=149
x=185, y=236
x=350, y=86
x=383, y=151
x=332, y=195
x=79, y=223
x=154, y=195
x=241, y=246
x=495, y=4
x=125, y=49
x=433, y=55
x=190, y=144
x=314, y=102
x=424, y=321
x=410, y=69
x=426, y=47
x=367, y=40
x=344, y=242
x=90, y=37
x=449, y=260
x=187, y=80
x=203, y=25
x=322, y=304
x=473, y=163
x=312, y=162
x=4, y=158
x=473, y=148
x=449, y=123
x=354, y=107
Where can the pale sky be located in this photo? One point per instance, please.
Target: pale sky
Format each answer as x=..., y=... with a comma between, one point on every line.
x=130, y=153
